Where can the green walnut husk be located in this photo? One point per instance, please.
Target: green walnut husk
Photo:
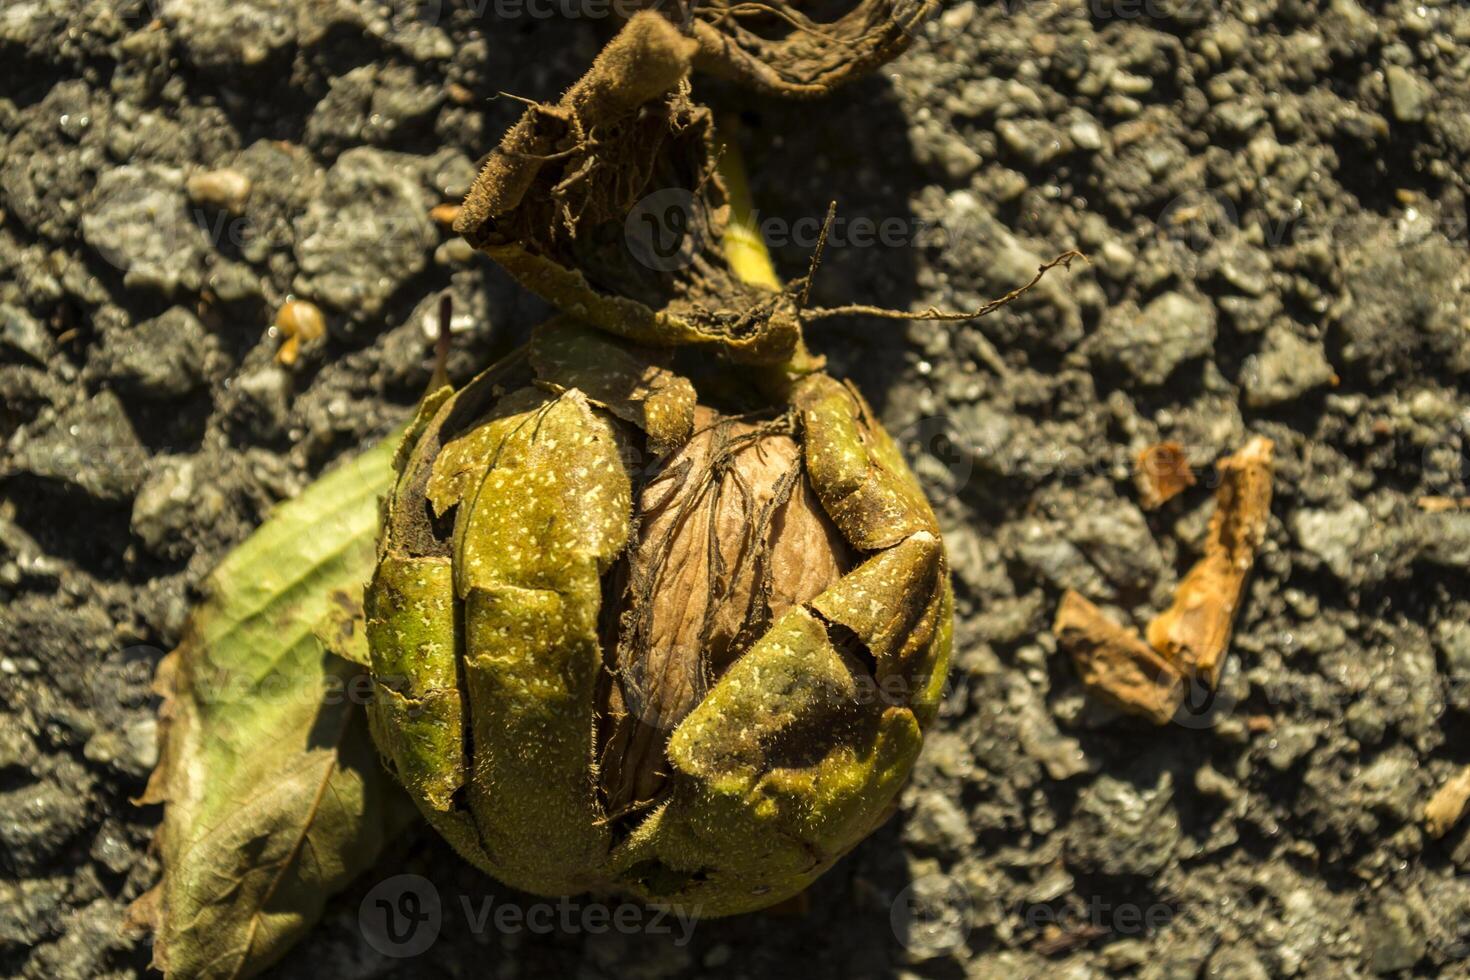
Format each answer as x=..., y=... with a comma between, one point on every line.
x=577, y=193
x=778, y=48
x=274, y=797
x=626, y=641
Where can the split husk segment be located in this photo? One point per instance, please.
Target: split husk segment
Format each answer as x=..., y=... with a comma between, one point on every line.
x=274, y=796
x=550, y=701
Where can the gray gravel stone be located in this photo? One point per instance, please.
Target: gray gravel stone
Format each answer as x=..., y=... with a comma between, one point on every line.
x=1408, y=95
x=1289, y=744
x=82, y=951
x=1237, y=962
x=161, y=358
x=1286, y=368
x=91, y=446
x=367, y=235
x=1409, y=306
x=1395, y=936
x=1452, y=636
x=226, y=35
x=37, y=820
x=28, y=910
x=111, y=847
x=1123, y=828
x=262, y=401
x=170, y=504
x=139, y=223
x=1150, y=344
x=1115, y=537
x=17, y=749
x=1334, y=536
x=23, y=334
x=1035, y=142
x=937, y=823
x=1446, y=538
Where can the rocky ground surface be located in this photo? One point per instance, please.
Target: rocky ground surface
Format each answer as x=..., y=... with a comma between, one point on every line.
x=1272, y=194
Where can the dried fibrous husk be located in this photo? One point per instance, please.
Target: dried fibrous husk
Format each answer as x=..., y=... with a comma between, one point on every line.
x=800, y=49
x=609, y=205
x=1194, y=632
x=625, y=641
x=1114, y=663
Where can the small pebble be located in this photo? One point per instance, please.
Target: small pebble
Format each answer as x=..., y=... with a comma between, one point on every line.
x=226, y=189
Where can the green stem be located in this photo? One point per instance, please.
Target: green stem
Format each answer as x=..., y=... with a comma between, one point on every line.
x=750, y=260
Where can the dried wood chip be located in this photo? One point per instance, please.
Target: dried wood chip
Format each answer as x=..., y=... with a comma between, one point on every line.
x=1115, y=664
x=1440, y=505
x=1161, y=472
x=1447, y=805
x=1187, y=641
x=1194, y=632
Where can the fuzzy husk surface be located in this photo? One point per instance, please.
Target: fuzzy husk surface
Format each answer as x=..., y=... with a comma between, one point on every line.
x=678, y=700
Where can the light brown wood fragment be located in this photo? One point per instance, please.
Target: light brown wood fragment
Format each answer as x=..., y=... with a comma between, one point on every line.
x=1439, y=505
x=444, y=215
x=1115, y=664
x=1447, y=805
x=1194, y=632
x=1161, y=472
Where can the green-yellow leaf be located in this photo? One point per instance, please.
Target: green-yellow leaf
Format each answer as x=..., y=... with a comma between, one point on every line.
x=274, y=796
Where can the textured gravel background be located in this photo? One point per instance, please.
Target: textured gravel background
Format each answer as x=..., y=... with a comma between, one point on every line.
x=1273, y=195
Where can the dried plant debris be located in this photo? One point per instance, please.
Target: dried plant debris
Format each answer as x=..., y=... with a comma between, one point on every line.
x=800, y=49
x=1194, y=632
x=1441, y=505
x=299, y=323
x=1447, y=805
x=1161, y=472
x=609, y=204
x=1115, y=663
x=698, y=673
x=1187, y=642
x=274, y=798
